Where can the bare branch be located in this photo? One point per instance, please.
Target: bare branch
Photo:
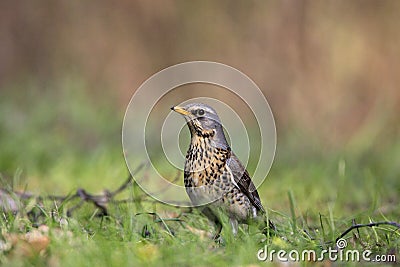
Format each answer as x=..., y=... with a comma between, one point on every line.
x=357, y=226
x=13, y=201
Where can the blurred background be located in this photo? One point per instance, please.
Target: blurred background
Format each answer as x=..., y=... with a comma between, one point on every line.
x=329, y=69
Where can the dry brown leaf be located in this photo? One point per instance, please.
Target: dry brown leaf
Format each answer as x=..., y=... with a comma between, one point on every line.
x=201, y=233
x=29, y=244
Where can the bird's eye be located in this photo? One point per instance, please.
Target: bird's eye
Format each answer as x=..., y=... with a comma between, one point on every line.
x=201, y=112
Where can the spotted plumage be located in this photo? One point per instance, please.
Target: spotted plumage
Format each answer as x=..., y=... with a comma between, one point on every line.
x=214, y=178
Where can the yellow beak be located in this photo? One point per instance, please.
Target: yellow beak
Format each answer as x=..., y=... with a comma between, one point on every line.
x=181, y=110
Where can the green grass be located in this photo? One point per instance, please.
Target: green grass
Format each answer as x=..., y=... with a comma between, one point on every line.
x=58, y=141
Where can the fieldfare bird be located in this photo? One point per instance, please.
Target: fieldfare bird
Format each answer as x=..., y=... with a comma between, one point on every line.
x=215, y=179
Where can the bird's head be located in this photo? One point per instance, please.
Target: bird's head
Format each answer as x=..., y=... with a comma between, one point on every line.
x=203, y=121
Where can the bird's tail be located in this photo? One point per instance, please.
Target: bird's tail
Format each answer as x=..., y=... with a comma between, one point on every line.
x=265, y=224
x=268, y=228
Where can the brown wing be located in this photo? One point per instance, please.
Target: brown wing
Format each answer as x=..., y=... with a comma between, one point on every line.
x=243, y=180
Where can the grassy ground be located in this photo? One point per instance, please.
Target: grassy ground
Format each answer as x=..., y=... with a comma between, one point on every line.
x=60, y=141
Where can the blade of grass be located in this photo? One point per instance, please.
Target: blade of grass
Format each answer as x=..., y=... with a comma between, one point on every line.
x=292, y=210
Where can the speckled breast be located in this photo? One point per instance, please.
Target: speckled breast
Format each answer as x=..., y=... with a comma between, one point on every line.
x=206, y=175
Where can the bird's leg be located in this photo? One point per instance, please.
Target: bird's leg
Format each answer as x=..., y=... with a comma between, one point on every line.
x=213, y=218
x=218, y=229
x=246, y=228
x=234, y=224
